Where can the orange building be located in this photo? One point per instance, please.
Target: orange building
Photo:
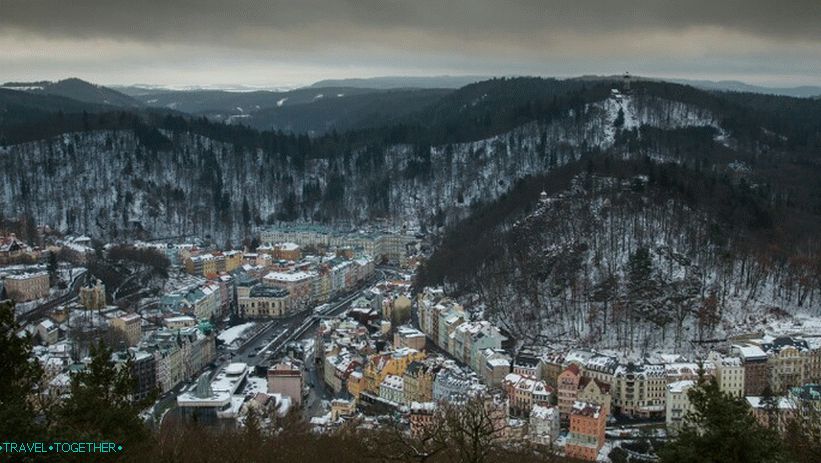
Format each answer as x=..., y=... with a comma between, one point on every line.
x=586, y=438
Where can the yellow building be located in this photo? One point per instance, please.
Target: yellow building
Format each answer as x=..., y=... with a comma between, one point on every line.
x=392, y=363
x=355, y=383
x=131, y=326
x=27, y=287
x=595, y=392
x=418, y=383
x=93, y=297
x=233, y=260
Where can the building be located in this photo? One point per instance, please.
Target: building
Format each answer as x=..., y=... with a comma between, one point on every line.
x=812, y=364
x=496, y=366
x=549, y=368
x=422, y=418
x=298, y=284
x=342, y=408
x=776, y=414
x=543, y=425
x=392, y=389
x=264, y=302
x=179, y=354
x=48, y=331
x=131, y=326
x=14, y=251
x=568, y=390
x=27, y=286
x=677, y=404
x=586, y=437
x=785, y=362
x=286, y=378
x=452, y=385
x=523, y=392
x=182, y=321
x=469, y=339
x=211, y=400
x=391, y=363
x=286, y=251
x=92, y=297
x=233, y=260
x=639, y=390
x=756, y=373
x=729, y=372
x=418, y=382
x=144, y=372
x=406, y=336
x=526, y=364
x=593, y=391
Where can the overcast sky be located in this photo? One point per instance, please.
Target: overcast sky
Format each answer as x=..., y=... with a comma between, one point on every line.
x=294, y=42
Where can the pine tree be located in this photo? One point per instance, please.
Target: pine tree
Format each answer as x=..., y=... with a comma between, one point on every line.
x=52, y=267
x=101, y=405
x=21, y=378
x=721, y=429
x=770, y=404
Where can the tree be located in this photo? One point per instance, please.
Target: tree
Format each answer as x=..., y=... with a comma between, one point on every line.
x=246, y=213
x=619, y=122
x=101, y=405
x=770, y=404
x=52, y=267
x=21, y=379
x=721, y=429
x=802, y=434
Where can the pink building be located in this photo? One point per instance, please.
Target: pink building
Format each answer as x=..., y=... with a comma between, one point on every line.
x=286, y=378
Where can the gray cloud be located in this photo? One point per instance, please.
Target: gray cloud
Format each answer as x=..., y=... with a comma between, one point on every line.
x=753, y=37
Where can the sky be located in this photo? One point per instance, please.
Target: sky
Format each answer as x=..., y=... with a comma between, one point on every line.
x=279, y=44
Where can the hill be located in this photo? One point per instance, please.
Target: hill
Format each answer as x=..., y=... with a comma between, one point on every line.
x=163, y=174
x=394, y=82
x=76, y=89
x=637, y=254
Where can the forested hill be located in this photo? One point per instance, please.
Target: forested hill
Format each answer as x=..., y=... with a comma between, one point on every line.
x=638, y=254
x=158, y=173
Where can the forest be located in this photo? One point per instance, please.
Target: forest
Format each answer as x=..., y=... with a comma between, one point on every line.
x=635, y=254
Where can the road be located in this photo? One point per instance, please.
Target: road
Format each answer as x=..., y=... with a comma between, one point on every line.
x=264, y=347
x=70, y=295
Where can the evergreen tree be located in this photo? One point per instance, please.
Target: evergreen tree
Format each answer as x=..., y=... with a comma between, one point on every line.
x=21, y=378
x=52, y=267
x=770, y=404
x=619, y=122
x=721, y=429
x=101, y=406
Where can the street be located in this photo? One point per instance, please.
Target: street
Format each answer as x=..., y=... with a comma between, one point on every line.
x=263, y=348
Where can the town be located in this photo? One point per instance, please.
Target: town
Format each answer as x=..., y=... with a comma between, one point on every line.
x=328, y=325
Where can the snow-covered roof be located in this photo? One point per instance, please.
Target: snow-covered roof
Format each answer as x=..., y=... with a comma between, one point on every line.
x=680, y=386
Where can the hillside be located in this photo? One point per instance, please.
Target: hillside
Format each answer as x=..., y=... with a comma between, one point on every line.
x=388, y=82
x=76, y=89
x=192, y=177
x=637, y=254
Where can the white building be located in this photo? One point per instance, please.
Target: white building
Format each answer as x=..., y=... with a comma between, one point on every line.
x=677, y=404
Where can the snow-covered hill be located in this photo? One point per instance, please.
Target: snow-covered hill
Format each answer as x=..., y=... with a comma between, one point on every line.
x=110, y=183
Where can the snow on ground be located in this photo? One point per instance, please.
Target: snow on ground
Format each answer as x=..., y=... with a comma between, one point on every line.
x=231, y=334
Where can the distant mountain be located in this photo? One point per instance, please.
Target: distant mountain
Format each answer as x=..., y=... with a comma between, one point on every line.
x=342, y=112
x=228, y=103
x=806, y=91
x=736, y=86
x=76, y=89
x=19, y=108
x=402, y=82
